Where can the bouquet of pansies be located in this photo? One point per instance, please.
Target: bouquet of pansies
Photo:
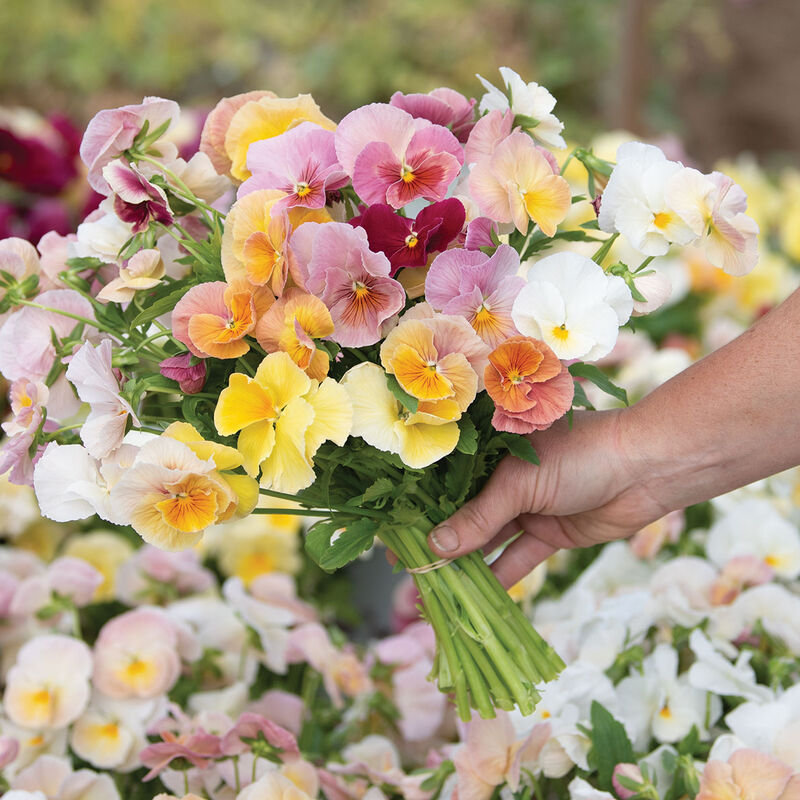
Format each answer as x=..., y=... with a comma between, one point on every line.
x=360, y=318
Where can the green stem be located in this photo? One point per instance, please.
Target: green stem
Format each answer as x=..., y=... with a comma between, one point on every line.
x=604, y=249
x=299, y=512
x=76, y=317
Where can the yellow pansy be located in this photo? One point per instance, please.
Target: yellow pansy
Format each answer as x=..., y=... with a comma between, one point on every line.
x=265, y=118
x=282, y=417
x=106, y=552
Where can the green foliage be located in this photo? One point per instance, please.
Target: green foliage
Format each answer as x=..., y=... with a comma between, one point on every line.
x=332, y=546
x=599, y=379
x=610, y=744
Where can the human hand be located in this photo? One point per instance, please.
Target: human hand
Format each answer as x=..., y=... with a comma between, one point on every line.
x=588, y=489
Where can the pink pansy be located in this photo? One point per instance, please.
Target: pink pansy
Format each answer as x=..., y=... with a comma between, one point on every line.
x=26, y=345
x=144, y=270
x=481, y=288
x=53, y=248
x=279, y=590
x=70, y=578
x=647, y=542
x=751, y=775
x=632, y=773
x=342, y=672
x=27, y=399
x=479, y=233
x=136, y=201
x=488, y=132
x=739, y=573
x=405, y=604
x=112, y=131
x=15, y=458
x=442, y=106
x=283, y=708
x=334, y=262
x=492, y=755
x=408, y=242
x=18, y=258
x=199, y=748
x=91, y=374
x=191, y=377
x=394, y=158
x=9, y=749
x=301, y=162
x=136, y=655
x=253, y=726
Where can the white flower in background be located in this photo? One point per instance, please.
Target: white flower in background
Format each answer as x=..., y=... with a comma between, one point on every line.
x=580, y=789
x=110, y=734
x=713, y=207
x=773, y=727
x=566, y=706
x=660, y=703
x=634, y=204
x=712, y=672
x=55, y=778
x=144, y=270
x=754, y=528
x=48, y=686
x=657, y=771
x=573, y=305
x=526, y=100
x=656, y=289
x=775, y=607
x=17, y=508
x=32, y=744
x=681, y=591
x=91, y=374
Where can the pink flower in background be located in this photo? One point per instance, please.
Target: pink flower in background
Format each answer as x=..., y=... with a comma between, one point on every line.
x=26, y=345
x=18, y=258
x=136, y=200
x=301, y=162
x=9, y=748
x=53, y=248
x=250, y=726
x=408, y=242
x=112, y=131
x=198, y=748
x=191, y=377
x=481, y=288
x=139, y=577
x=394, y=158
x=91, y=374
x=67, y=577
x=334, y=262
x=283, y=708
x=738, y=574
x=749, y=774
x=443, y=106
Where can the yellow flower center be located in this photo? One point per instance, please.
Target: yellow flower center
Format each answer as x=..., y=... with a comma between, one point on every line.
x=773, y=561
x=665, y=713
x=407, y=174
x=412, y=241
x=360, y=290
x=302, y=189
x=662, y=219
x=25, y=401
x=41, y=698
x=191, y=510
x=560, y=332
x=36, y=741
x=111, y=730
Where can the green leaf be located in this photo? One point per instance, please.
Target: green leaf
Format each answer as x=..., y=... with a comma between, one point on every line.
x=381, y=488
x=468, y=438
x=402, y=396
x=519, y=446
x=690, y=743
x=332, y=546
x=159, y=307
x=599, y=379
x=580, y=398
x=610, y=744
x=524, y=121
x=458, y=479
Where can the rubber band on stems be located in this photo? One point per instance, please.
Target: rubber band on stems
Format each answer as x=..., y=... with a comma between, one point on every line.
x=434, y=565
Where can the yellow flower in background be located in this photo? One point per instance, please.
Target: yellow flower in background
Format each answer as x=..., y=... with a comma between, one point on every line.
x=43, y=539
x=763, y=196
x=257, y=546
x=265, y=118
x=282, y=417
x=106, y=552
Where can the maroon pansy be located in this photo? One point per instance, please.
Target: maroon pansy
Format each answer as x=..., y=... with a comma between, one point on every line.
x=136, y=200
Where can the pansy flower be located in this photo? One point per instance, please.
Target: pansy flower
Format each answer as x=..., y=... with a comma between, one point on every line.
x=442, y=106
x=408, y=242
x=136, y=200
x=394, y=158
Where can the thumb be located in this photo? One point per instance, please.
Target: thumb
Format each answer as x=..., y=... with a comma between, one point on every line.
x=477, y=521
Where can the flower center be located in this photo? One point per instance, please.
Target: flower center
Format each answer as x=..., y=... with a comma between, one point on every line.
x=360, y=290
x=302, y=189
x=407, y=174
x=662, y=219
x=412, y=240
x=560, y=332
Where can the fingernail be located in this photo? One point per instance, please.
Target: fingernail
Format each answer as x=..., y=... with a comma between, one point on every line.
x=444, y=539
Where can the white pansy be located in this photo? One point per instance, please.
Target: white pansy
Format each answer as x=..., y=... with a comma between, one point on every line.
x=713, y=207
x=773, y=727
x=776, y=608
x=527, y=100
x=681, y=591
x=712, y=672
x=102, y=235
x=754, y=528
x=634, y=203
x=580, y=789
x=48, y=686
x=570, y=303
x=660, y=703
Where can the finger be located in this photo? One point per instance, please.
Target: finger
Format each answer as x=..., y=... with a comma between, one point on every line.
x=520, y=558
x=477, y=521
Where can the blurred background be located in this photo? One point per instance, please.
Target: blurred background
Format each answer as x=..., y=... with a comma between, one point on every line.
x=720, y=74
